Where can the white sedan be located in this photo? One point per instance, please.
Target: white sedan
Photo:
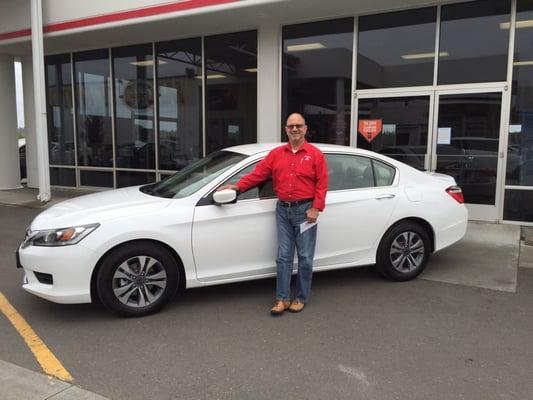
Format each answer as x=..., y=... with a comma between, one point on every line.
x=133, y=247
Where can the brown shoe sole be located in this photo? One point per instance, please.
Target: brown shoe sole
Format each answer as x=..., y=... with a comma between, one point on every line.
x=272, y=312
x=295, y=311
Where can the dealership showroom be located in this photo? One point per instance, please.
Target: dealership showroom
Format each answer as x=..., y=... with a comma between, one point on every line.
x=128, y=92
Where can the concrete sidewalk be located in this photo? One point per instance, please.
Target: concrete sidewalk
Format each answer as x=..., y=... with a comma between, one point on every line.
x=27, y=197
x=17, y=383
x=487, y=257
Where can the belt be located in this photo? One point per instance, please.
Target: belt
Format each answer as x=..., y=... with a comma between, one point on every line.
x=295, y=203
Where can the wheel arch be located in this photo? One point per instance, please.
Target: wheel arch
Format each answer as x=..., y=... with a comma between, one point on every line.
x=420, y=221
x=177, y=258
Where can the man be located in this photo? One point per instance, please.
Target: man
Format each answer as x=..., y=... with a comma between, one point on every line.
x=300, y=178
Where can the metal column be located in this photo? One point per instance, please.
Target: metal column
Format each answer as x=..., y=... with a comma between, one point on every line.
x=40, y=101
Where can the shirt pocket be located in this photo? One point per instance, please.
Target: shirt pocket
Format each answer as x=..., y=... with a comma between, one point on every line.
x=306, y=169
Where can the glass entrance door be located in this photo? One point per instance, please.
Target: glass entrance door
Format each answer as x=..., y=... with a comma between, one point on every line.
x=466, y=145
x=451, y=131
x=396, y=125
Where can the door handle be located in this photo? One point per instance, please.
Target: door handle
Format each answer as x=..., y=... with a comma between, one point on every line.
x=385, y=196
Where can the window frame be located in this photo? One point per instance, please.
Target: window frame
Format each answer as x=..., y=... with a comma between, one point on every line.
x=254, y=163
x=372, y=159
x=207, y=199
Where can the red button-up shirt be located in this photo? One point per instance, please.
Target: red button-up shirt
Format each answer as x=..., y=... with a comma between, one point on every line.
x=295, y=176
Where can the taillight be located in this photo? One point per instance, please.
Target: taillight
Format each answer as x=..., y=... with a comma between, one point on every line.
x=456, y=193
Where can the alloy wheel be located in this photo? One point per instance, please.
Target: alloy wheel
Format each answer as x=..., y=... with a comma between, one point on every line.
x=139, y=281
x=407, y=252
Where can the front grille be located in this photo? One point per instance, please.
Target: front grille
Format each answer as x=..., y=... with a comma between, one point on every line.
x=44, y=278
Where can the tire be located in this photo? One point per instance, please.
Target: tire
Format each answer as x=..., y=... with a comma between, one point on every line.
x=137, y=279
x=403, y=252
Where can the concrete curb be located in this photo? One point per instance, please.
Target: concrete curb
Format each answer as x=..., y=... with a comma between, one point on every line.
x=526, y=255
x=18, y=383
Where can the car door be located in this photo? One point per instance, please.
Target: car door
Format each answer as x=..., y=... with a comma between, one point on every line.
x=233, y=241
x=361, y=198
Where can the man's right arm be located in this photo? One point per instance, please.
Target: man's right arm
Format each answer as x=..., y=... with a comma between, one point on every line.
x=261, y=172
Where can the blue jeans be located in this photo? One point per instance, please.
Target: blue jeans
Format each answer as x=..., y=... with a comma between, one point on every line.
x=289, y=237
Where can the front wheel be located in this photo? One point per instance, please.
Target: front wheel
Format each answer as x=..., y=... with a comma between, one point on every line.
x=137, y=279
x=403, y=252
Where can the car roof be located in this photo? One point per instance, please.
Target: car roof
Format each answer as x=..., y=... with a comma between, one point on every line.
x=256, y=148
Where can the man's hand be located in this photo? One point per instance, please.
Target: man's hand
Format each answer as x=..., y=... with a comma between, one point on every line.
x=312, y=215
x=233, y=187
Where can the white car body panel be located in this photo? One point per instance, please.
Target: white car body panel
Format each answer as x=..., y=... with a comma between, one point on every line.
x=71, y=267
x=341, y=238
x=236, y=242
x=81, y=210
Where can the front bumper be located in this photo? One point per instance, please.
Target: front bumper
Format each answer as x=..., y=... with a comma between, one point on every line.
x=70, y=266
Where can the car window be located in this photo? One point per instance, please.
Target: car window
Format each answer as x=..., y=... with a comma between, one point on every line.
x=383, y=173
x=262, y=191
x=349, y=172
x=195, y=176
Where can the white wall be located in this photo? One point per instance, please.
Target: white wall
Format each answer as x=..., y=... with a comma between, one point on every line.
x=9, y=155
x=268, y=83
x=63, y=10
x=14, y=15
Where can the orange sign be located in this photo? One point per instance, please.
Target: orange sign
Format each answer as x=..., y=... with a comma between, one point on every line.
x=370, y=128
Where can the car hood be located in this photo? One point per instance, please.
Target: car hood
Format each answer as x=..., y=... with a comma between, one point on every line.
x=98, y=207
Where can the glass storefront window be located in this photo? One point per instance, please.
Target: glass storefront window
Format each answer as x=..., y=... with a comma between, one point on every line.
x=59, y=110
x=520, y=144
x=396, y=49
x=63, y=176
x=131, y=178
x=517, y=205
x=403, y=132
x=96, y=178
x=474, y=42
x=93, y=108
x=133, y=68
x=179, y=84
x=231, y=89
x=317, y=78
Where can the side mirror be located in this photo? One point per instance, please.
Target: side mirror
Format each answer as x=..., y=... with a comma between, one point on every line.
x=225, y=196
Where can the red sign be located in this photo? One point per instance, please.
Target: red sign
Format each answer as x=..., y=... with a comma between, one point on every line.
x=370, y=128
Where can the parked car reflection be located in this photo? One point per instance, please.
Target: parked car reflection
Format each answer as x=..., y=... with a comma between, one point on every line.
x=410, y=155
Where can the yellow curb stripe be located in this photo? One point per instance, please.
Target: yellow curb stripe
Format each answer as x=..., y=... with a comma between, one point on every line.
x=49, y=363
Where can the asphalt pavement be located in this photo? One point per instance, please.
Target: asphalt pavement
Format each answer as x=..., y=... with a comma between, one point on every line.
x=359, y=338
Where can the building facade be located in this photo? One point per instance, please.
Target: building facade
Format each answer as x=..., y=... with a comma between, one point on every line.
x=136, y=90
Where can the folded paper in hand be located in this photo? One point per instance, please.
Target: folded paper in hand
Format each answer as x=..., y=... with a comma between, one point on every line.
x=306, y=225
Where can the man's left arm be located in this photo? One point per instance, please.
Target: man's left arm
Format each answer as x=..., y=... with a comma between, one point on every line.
x=321, y=187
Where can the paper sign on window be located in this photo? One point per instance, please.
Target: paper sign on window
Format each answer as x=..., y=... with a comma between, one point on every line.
x=370, y=128
x=444, y=135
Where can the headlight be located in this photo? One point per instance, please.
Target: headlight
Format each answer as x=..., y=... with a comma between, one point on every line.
x=58, y=237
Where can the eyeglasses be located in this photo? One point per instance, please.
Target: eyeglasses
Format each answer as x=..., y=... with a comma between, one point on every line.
x=297, y=126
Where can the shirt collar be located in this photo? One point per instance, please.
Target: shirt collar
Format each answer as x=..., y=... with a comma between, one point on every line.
x=305, y=147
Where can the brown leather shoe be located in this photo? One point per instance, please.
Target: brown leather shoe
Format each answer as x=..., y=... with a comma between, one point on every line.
x=279, y=307
x=296, y=306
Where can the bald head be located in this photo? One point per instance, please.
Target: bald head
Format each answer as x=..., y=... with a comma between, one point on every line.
x=296, y=130
x=296, y=116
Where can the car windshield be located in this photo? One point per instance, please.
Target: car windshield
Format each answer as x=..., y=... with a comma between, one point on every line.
x=194, y=176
